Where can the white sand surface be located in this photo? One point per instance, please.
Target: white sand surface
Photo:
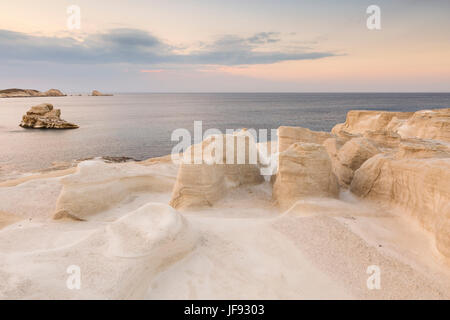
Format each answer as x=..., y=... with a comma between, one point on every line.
x=241, y=248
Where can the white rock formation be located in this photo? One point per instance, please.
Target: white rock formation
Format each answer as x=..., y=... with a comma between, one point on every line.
x=287, y=136
x=237, y=245
x=350, y=157
x=97, y=186
x=416, y=179
x=154, y=229
x=427, y=124
x=424, y=124
x=360, y=121
x=214, y=166
x=397, y=158
x=304, y=170
x=116, y=261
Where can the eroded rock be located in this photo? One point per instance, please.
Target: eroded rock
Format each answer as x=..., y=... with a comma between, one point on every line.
x=360, y=121
x=43, y=116
x=304, y=171
x=216, y=165
x=424, y=124
x=97, y=186
x=416, y=179
x=287, y=136
x=427, y=124
x=396, y=158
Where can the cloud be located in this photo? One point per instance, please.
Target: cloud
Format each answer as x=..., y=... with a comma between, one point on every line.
x=265, y=37
x=135, y=46
x=129, y=37
x=151, y=71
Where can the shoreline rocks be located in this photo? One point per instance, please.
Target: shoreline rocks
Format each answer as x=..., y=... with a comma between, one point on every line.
x=201, y=181
x=401, y=159
x=417, y=184
x=27, y=93
x=43, y=116
x=97, y=186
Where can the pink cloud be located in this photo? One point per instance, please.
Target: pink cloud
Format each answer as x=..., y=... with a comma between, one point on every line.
x=151, y=71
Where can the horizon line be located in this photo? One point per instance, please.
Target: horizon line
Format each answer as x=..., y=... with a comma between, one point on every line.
x=253, y=92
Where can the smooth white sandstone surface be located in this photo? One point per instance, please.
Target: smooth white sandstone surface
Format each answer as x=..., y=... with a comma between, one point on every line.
x=304, y=171
x=347, y=200
x=206, y=175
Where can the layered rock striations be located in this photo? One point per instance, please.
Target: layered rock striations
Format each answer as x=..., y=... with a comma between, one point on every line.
x=394, y=158
x=427, y=124
x=397, y=158
x=290, y=135
x=304, y=170
x=416, y=178
x=129, y=243
x=424, y=124
x=43, y=116
x=401, y=159
x=209, y=169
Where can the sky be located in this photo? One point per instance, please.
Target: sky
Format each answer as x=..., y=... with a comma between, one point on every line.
x=225, y=46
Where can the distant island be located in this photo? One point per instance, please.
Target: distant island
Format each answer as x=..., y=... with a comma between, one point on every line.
x=97, y=93
x=24, y=93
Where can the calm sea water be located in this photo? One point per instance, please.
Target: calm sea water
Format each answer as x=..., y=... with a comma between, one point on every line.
x=140, y=125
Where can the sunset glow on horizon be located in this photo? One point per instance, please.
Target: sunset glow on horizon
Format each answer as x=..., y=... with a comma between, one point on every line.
x=194, y=46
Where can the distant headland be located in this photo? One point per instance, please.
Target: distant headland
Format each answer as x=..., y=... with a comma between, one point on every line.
x=24, y=93
x=29, y=93
x=97, y=93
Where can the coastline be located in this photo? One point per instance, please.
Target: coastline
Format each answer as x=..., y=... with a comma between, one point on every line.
x=114, y=214
x=104, y=130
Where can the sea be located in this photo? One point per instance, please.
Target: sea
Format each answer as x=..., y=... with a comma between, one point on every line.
x=140, y=125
